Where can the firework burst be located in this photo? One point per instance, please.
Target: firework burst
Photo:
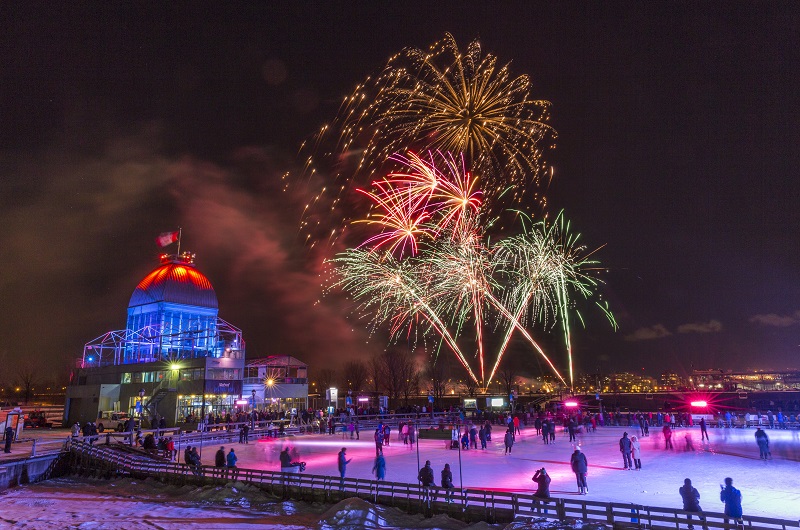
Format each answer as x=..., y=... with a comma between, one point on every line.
x=435, y=99
x=454, y=281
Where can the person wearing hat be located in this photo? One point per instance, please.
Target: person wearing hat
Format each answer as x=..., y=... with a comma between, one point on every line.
x=542, y=480
x=425, y=478
x=580, y=466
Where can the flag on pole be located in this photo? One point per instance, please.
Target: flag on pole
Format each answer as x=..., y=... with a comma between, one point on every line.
x=167, y=238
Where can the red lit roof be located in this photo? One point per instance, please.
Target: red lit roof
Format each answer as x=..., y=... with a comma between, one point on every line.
x=175, y=282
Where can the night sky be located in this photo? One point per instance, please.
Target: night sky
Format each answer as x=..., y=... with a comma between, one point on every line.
x=678, y=154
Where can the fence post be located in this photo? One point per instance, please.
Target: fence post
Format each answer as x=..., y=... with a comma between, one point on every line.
x=33, y=448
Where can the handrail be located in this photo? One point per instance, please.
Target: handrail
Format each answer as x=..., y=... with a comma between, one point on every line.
x=492, y=505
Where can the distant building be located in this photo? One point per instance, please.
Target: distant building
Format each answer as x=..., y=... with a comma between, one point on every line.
x=175, y=358
x=747, y=381
x=278, y=382
x=671, y=381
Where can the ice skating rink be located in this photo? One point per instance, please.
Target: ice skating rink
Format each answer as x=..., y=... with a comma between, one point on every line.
x=769, y=488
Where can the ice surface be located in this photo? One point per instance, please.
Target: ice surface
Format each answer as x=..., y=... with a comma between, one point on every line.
x=769, y=488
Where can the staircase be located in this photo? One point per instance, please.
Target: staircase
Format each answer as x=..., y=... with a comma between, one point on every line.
x=162, y=390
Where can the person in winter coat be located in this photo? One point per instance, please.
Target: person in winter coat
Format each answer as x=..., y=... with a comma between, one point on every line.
x=546, y=431
x=219, y=457
x=343, y=461
x=691, y=501
x=378, y=441
x=580, y=466
x=379, y=468
x=763, y=444
x=447, y=483
x=232, y=458
x=703, y=430
x=482, y=437
x=625, y=449
x=667, y=436
x=425, y=478
x=508, y=439
x=636, y=453
x=732, y=499
x=542, y=480
x=286, y=458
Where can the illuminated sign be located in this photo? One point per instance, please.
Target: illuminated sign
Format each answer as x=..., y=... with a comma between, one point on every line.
x=497, y=402
x=699, y=404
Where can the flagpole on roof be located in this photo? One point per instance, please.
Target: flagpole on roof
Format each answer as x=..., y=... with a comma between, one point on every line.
x=180, y=230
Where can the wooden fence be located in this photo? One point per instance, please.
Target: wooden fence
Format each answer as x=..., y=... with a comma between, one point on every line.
x=468, y=504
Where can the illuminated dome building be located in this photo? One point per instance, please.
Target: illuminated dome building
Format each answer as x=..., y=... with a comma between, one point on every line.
x=175, y=358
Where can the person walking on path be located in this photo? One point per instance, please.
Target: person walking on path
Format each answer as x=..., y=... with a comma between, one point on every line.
x=542, y=480
x=219, y=457
x=343, y=461
x=580, y=466
x=625, y=449
x=447, y=483
x=508, y=439
x=703, y=430
x=636, y=453
x=667, y=436
x=691, y=502
x=732, y=499
x=425, y=478
x=763, y=444
x=379, y=468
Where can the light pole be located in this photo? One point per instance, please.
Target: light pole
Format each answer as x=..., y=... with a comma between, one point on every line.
x=253, y=412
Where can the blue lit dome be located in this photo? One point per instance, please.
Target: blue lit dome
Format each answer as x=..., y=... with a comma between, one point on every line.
x=175, y=281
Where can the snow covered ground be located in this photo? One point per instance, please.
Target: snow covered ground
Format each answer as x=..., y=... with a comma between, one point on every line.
x=769, y=488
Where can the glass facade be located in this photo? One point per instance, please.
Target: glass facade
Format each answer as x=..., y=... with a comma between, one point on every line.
x=214, y=404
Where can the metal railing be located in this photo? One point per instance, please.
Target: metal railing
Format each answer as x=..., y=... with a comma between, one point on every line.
x=469, y=503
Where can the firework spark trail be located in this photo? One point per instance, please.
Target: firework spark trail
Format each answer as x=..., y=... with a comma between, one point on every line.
x=392, y=290
x=440, y=98
x=452, y=273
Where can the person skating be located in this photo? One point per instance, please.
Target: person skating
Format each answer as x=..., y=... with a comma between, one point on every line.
x=703, y=430
x=691, y=501
x=343, y=461
x=378, y=441
x=732, y=499
x=286, y=459
x=636, y=453
x=667, y=436
x=542, y=480
x=580, y=466
x=379, y=468
x=232, y=458
x=219, y=457
x=625, y=449
x=763, y=444
x=508, y=440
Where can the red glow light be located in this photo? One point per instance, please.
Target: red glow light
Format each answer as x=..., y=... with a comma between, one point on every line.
x=699, y=404
x=571, y=404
